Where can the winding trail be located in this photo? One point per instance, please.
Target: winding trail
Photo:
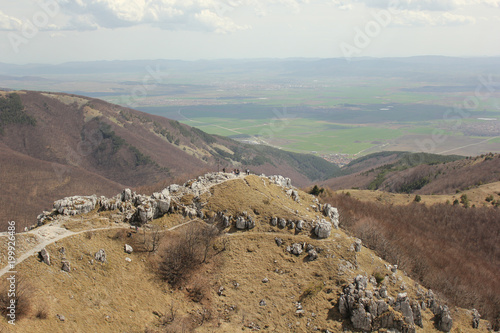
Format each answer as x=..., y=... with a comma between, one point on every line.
x=53, y=232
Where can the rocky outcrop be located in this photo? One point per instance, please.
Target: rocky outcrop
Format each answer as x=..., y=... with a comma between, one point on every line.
x=367, y=310
x=443, y=319
x=323, y=229
x=333, y=214
x=76, y=205
x=476, y=317
x=280, y=181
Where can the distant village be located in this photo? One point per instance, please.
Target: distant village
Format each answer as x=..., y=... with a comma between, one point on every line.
x=338, y=159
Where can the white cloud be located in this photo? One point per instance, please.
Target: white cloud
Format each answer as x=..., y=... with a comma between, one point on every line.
x=420, y=18
x=9, y=22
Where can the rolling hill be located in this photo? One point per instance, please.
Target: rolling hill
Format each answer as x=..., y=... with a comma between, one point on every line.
x=417, y=173
x=67, y=142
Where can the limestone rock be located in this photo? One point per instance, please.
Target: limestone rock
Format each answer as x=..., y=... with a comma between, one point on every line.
x=360, y=319
x=295, y=249
x=475, y=318
x=45, y=256
x=241, y=223
x=357, y=245
x=75, y=205
x=312, y=255
x=300, y=225
x=443, y=318
x=100, y=255
x=280, y=181
x=126, y=195
x=66, y=266
x=323, y=229
x=274, y=221
x=128, y=249
x=333, y=214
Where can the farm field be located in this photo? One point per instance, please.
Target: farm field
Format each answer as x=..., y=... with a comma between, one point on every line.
x=324, y=107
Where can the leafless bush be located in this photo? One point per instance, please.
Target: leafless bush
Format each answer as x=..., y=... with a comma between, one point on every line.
x=22, y=296
x=197, y=288
x=186, y=252
x=147, y=241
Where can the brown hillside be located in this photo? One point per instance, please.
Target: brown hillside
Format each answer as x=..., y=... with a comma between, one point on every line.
x=30, y=185
x=119, y=146
x=438, y=178
x=248, y=282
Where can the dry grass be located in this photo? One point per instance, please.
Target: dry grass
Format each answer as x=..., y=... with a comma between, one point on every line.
x=259, y=198
x=476, y=196
x=222, y=294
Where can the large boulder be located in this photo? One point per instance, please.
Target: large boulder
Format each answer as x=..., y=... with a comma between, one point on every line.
x=361, y=319
x=323, y=229
x=241, y=223
x=45, y=256
x=332, y=213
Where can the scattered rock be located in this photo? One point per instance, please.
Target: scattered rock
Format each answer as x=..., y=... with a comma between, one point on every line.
x=128, y=249
x=300, y=225
x=262, y=303
x=60, y=317
x=357, y=245
x=296, y=249
x=100, y=255
x=127, y=259
x=312, y=255
x=45, y=256
x=66, y=266
x=278, y=241
x=265, y=280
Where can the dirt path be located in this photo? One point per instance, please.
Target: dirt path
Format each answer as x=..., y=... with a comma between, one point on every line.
x=51, y=233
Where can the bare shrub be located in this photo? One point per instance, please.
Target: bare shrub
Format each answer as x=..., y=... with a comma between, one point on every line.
x=23, y=297
x=197, y=288
x=186, y=252
x=147, y=240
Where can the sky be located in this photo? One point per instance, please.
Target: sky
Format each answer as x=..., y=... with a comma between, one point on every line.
x=58, y=31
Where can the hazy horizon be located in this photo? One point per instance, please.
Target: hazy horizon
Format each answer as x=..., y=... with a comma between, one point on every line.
x=55, y=32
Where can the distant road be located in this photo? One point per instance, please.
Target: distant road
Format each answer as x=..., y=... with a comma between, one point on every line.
x=472, y=144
